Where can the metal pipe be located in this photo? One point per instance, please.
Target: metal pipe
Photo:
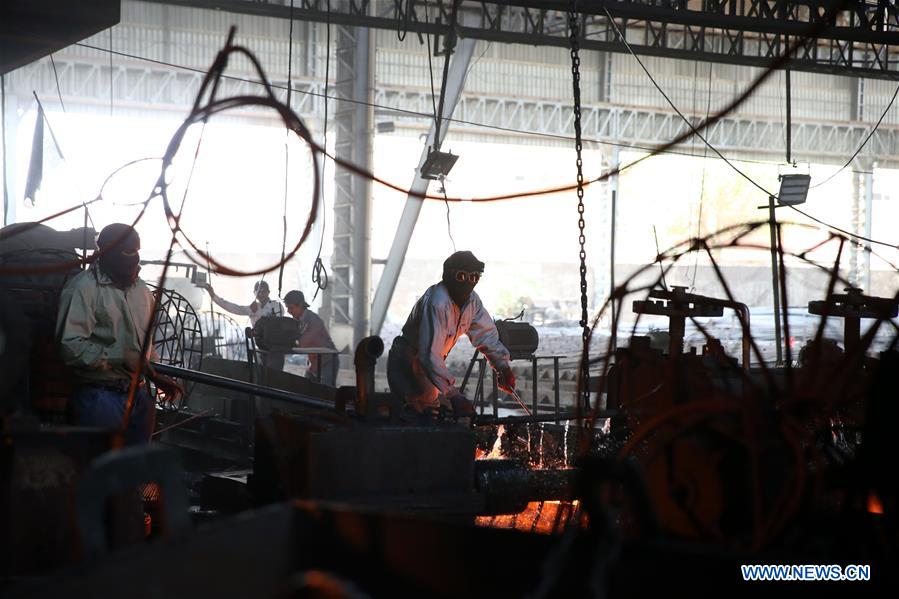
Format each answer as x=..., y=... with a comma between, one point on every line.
x=367, y=353
x=772, y=224
x=363, y=89
x=214, y=380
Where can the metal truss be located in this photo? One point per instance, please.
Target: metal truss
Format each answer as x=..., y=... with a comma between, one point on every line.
x=145, y=86
x=141, y=87
x=860, y=39
x=647, y=127
x=349, y=292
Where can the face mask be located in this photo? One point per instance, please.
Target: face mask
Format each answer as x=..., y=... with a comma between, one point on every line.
x=460, y=291
x=122, y=267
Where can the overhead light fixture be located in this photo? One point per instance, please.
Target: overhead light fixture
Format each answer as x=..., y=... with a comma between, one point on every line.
x=386, y=127
x=793, y=189
x=437, y=165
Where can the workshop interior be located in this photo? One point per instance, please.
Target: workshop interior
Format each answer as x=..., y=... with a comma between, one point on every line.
x=449, y=298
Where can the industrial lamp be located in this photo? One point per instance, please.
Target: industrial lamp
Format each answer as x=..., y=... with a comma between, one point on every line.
x=437, y=165
x=793, y=189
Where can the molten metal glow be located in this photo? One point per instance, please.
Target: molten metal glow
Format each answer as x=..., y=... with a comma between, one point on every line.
x=541, y=517
x=875, y=506
x=496, y=452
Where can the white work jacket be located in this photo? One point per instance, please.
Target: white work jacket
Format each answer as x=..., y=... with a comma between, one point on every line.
x=436, y=323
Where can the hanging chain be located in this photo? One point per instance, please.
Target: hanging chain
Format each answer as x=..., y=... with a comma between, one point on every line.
x=573, y=28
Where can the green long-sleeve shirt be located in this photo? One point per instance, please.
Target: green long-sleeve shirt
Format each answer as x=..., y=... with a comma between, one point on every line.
x=98, y=323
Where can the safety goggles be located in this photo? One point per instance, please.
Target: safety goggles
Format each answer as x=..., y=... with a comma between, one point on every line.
x=464, y=277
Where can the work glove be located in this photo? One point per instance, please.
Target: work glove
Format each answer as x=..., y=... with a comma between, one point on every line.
x=462, y=406
x=505, y=379
x=171, y=389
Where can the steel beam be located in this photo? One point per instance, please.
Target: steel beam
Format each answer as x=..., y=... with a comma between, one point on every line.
x=149, y=86
x=859, y=39
x=454, y=84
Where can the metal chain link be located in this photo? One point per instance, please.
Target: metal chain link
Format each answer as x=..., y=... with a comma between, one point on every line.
x=573, y=29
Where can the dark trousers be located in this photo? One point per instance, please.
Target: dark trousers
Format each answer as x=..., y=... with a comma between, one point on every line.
x=323, y=369
x=104, y=407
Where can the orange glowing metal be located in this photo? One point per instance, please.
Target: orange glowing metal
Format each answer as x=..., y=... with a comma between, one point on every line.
x=496, y=452
x=875, y=506
x=540, y=517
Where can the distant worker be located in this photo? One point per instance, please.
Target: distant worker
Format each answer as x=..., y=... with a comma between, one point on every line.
x=103, y=316
x=416, y=365
x=262, y=306
x=313, y=334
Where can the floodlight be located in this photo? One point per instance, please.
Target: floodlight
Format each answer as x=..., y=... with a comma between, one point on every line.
x=386, y=127
x=437, y=165
x=793, y=189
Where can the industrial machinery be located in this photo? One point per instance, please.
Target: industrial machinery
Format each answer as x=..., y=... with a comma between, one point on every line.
x=731, y=452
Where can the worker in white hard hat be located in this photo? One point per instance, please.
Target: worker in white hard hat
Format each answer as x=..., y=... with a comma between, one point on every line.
x=261, y=306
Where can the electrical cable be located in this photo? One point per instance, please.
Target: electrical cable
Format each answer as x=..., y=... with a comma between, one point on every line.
x=201, y=113
x=734, y=167
x=862, y=145
x=845, y=232
x=449, y=228
x=404, y=12
x=705, y=153
x=319, y=272
x=213, y=107
x=174, y=220
x=56, y=77
x=286, y=153
x=476, y=61
x=677, y=110
x=431, y=75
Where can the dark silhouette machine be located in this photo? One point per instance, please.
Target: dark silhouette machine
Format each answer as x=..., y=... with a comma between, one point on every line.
x=710, y=462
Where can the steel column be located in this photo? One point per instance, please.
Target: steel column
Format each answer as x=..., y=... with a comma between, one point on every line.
x=351, y=262
x=858, y=220
x=9, y=114
x=362, y=150
x=869, y=218
x=394, y=265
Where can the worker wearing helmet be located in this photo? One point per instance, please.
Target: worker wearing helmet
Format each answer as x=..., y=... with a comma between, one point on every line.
x=261, y=307
x=104, y=313
x=416, y=365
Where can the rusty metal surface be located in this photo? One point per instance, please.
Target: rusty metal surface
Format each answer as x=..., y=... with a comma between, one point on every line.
x=38, y=474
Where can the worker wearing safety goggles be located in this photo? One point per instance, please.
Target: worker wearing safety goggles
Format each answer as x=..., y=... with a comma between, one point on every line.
x=416, y=365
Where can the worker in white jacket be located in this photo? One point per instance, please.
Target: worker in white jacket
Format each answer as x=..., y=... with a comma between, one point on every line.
x=416, y=365
x=261, y=307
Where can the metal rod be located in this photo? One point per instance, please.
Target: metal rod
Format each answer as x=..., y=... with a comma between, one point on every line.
x=614, y=333
x=515, y=396
x=479, y=389
x=183, y=422
x=474, y=357
x=495, y=395
x=487, y=420
x=556, y=383
x=789, y=126
x=775, y=280
x=242, y=386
